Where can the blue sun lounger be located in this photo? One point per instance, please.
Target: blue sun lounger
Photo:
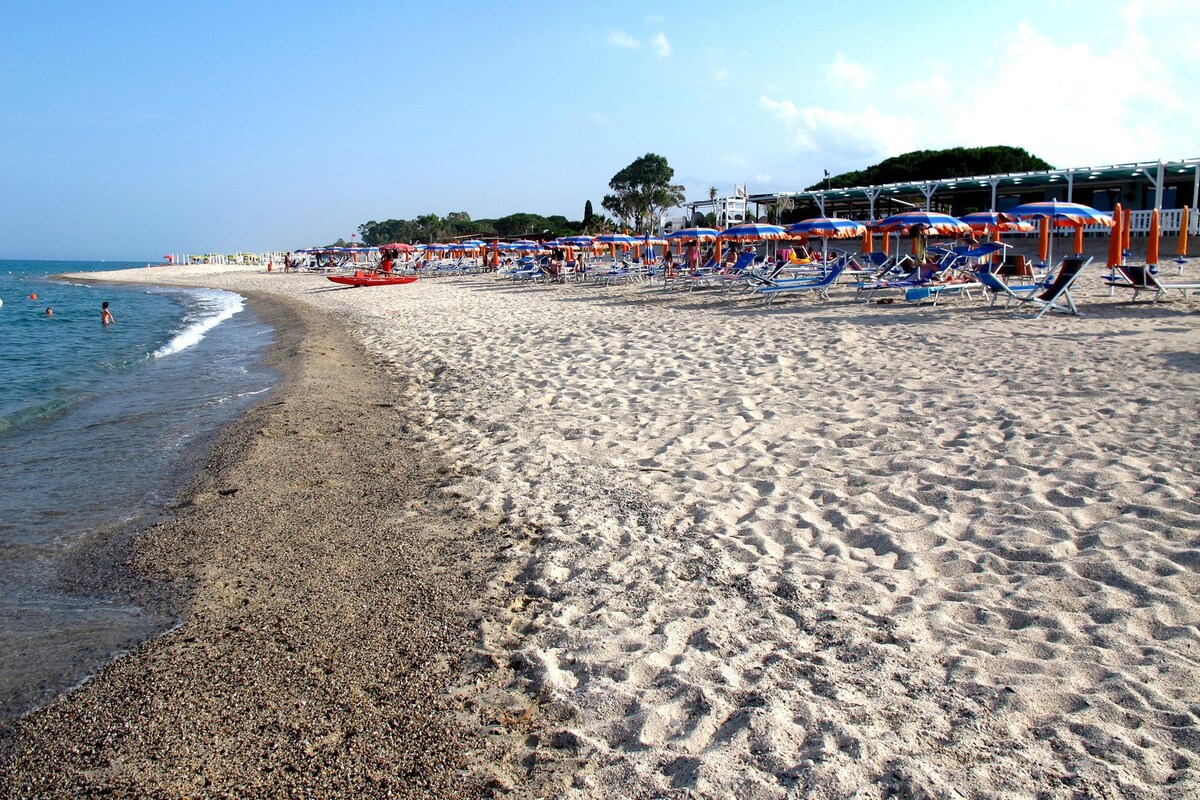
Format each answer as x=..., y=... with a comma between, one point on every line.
x=819, y=285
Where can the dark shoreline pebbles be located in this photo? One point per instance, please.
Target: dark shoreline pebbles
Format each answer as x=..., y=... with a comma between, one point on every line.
x=325, y=584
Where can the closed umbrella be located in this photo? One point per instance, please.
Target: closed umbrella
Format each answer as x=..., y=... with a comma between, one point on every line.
x=1044, y=240
x=1116, y=236
x=1152, y=245
x=1181, y=248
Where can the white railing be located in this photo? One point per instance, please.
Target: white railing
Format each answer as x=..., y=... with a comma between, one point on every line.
x=1139, y=223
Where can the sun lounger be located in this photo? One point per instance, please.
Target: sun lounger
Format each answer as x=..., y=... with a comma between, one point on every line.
x=820, y=285
x=1141, y=278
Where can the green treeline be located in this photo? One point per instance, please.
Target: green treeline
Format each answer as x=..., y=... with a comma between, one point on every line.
x=955, y=162
x=459, y=225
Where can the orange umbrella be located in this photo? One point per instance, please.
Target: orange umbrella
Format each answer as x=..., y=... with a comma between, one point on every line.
x=1044, y=239
x=1128, y=229
x=1181, y=249
x=887, y=244
x=868, y=241
x=1152, y=245
x=1078, y=240
x=1116, y=235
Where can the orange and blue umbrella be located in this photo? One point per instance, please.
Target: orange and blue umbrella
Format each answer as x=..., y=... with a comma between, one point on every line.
x=828, y=228
x=699, y=234
x=925, y=222
x=995, y=221
x=1057, y=212
x=754, y=232
x=1061, y=213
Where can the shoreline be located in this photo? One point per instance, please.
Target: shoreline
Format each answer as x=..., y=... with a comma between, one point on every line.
x=323, y=609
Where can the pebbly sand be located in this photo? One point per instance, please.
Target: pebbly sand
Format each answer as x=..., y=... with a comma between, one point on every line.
x=702, y=549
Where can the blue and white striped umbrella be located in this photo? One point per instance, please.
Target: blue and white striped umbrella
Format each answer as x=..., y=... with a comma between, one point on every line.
x=828, y=228
x=753, y=232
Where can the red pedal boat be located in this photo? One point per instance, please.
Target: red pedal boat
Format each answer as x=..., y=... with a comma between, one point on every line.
x=360, y=278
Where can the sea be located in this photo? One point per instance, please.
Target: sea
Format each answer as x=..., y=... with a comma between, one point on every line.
x=100, y=428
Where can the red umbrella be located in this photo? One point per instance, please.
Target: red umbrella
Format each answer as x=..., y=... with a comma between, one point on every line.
x=397, y=247
x=1152, y=245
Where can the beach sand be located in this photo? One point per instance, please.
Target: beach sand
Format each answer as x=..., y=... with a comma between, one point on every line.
x=820, y=549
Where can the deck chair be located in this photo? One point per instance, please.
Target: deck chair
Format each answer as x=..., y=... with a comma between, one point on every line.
x=921, y=275
x=800, y=285
x=1141, y=278
x=1057, y=295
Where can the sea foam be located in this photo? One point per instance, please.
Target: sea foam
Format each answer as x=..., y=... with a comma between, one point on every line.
x=213, y=308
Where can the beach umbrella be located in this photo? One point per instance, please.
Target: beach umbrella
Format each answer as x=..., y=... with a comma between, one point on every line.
x=699, y=234
x=614, y=239
x=578, y=241
x=995, y=221
x=473, y=244
x=1181, y=248
x=868, y=240
x=1062, y=213
x=396, y=247
x=753, y=232
x=1116, y=237
x=1127, y=230
x=918, y=223
x=926, y=222
x=1078, y=239
x=827, y=228
x=1057, y=212
x=1044, y=239
x=1152, y=244
x=623, y=239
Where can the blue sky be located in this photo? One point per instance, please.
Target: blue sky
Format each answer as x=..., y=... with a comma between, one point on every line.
x=134, y=129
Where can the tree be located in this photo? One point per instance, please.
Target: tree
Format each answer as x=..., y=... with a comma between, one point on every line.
x=588, y=216
x=955, y=162
x=712, y=194
x=642, y=191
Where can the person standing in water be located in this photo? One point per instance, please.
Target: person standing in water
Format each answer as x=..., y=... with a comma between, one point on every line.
x=106, y=317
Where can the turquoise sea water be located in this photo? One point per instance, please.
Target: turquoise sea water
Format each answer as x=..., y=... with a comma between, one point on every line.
x=100, y=426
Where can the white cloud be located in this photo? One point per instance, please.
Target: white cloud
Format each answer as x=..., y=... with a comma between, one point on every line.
x=621, y=39
x=783, y=109
x=661, y=45
x=1065, y=100
x=848, y=73
x=867, y=133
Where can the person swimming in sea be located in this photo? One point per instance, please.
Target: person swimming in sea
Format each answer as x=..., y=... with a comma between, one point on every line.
x=49, y=311
x=106, y=317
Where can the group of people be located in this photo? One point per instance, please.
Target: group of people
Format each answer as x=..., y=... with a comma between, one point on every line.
x=106, y=317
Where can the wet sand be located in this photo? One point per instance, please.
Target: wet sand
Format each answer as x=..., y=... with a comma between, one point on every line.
x=326, y=585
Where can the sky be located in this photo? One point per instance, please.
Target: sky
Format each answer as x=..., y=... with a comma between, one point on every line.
x=129, y=130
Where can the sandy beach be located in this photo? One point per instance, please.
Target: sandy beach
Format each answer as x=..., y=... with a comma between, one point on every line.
x=598, y=542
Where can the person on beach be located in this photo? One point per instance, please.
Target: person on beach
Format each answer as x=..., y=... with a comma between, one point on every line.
x=692, y=256
x=385, y=266
x=106, y=317
x=668, y=264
